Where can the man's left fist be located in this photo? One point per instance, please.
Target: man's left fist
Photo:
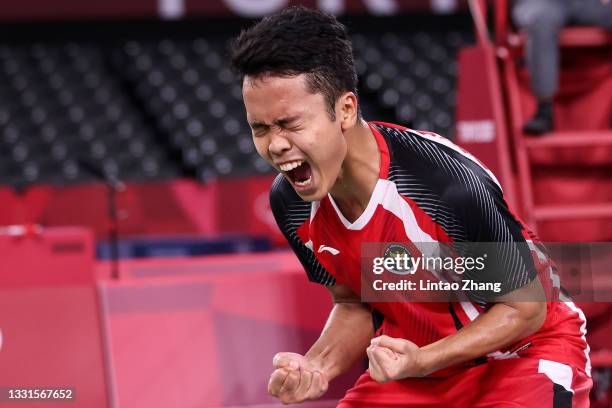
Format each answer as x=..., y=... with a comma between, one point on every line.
x=394, y=359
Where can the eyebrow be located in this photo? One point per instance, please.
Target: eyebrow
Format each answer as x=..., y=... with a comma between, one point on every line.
x=279, y=122
x=258, y=125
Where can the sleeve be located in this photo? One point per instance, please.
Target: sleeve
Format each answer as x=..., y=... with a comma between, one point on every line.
x=465, y=199
x=290, y=212
x=493, y=232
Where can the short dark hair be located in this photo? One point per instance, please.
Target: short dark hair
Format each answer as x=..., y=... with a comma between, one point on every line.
x=298, y=40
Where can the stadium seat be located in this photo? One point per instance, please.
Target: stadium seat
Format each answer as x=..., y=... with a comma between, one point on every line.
x=166, y=107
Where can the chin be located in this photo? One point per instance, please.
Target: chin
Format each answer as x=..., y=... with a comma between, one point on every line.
x=315, y=196
x=317, y=192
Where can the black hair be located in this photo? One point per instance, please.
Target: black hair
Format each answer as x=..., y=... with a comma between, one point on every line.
x=298, y=40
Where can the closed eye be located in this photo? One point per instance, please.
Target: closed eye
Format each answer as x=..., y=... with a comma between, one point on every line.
x=259, y=128
x=289, y=123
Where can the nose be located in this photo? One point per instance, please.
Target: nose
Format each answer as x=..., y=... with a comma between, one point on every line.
x=279, y=144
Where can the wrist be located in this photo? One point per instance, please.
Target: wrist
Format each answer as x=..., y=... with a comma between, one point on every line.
x=318, y=363
x=426, y=361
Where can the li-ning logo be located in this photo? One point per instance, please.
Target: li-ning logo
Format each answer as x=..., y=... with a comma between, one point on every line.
x=331, y=250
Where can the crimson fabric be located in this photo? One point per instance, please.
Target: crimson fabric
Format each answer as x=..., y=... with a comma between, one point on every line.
x=496, y=384
x=428, y=191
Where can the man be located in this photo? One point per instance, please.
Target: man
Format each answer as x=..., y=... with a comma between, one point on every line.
x=542, y=21
x=345, y=182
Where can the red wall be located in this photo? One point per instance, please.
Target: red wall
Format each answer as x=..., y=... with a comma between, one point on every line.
x=171, y=332
x=152, y=208
x=49, y=315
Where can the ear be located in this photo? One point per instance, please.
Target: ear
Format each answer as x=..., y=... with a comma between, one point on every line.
x=347, y=110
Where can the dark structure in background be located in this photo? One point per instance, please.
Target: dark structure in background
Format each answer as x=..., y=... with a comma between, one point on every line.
x=158, y=100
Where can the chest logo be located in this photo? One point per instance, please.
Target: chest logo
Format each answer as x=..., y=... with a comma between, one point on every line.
x=331, y=250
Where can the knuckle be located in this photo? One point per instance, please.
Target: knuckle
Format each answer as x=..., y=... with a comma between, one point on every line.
x=278, y=375
x=273, y=391
x=277, y=359
x=290, y=383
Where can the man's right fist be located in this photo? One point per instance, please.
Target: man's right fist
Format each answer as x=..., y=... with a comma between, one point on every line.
x=295, y=379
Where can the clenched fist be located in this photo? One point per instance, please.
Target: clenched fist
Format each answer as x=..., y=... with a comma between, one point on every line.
x=295, y=379
x=394, y=359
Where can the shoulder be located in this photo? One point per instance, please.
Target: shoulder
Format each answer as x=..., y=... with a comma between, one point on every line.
x=283, y=197
x=438, y=160
x=280, y=190
x=417, y=149
x=290, y=213
x=429, y=146
x=441, y=177
x=289, y=210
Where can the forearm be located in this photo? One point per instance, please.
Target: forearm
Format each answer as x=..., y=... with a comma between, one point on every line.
x=344, y=339
x=501, y=326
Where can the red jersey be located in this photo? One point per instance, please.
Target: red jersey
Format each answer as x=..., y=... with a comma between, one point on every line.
x=429, y=190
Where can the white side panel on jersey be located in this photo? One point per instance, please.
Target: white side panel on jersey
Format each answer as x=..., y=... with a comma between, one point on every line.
x=470, y=310
x=571, y=305
x=587, y=349
x=557, y=373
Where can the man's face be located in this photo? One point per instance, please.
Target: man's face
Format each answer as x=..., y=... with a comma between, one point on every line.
x=293, y=131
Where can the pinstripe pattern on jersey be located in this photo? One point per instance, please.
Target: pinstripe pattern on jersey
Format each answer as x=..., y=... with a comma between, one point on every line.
x=426, y=170
x=290, y=212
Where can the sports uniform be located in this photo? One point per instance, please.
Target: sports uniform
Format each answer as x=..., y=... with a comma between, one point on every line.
x=428, y=191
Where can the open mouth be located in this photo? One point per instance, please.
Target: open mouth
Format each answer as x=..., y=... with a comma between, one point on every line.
x=298, y=171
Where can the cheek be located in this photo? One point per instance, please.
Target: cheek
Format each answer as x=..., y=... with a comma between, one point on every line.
x=261, y=145
x=330, y=150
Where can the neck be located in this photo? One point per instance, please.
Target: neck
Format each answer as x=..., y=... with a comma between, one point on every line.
x=359, y=172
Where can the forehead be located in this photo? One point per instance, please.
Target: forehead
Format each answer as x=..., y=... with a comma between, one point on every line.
x=267, y=98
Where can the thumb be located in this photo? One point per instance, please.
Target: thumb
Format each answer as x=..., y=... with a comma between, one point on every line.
x=396, y=345
x=286, y=360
